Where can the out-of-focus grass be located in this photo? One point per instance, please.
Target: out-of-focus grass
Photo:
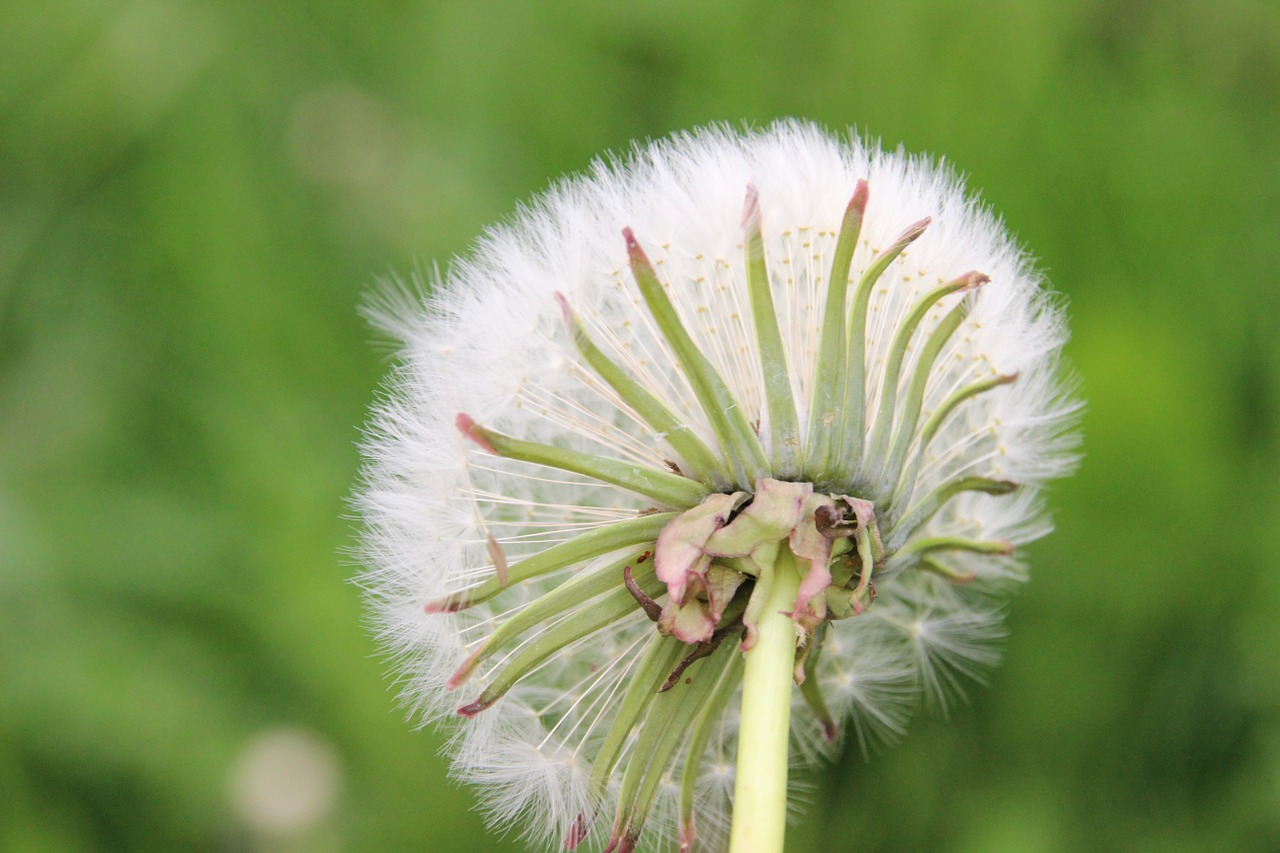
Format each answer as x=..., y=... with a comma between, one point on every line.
x=194, y=196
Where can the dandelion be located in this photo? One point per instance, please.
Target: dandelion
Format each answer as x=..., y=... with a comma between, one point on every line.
x=714, y=456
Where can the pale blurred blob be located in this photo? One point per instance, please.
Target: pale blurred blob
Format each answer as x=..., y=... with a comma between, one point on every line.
x=285, y=782
x=345, y=137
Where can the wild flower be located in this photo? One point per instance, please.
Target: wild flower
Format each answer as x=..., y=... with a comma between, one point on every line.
x=769, y=403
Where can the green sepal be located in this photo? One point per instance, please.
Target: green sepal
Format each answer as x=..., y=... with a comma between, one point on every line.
x=702, y=464
x=931, y=565
x=909, y=410
x=641, y=530
x=840, y=603
x=887, y=405
x=920, y=547
x=855, y=396
x=598, y=613
x=784, y=426
x=935, y=421
x=703, y=727
x=662, y=487
x=924, y=509
x=843, y=568
x=867, y=566
x=659, y=657
x=664, y=730
x=811, y=690
x=574, y=592
x=828, y=380
x=722, y=410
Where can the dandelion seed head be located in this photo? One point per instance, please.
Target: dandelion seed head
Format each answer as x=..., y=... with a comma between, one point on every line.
x=960, y=421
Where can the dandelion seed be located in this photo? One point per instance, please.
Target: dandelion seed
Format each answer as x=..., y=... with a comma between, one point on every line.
x=759, y=415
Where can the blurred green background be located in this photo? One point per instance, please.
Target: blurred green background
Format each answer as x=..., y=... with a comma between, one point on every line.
x=194, y=196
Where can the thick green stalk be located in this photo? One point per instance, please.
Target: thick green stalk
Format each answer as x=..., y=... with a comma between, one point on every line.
x=760, y=793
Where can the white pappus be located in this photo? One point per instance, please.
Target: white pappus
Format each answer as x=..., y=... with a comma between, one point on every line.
x=589, y=440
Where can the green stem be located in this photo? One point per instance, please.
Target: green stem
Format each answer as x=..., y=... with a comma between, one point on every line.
x=760, y=793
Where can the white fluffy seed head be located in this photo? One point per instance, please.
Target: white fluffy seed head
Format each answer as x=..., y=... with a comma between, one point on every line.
x=487, y=338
